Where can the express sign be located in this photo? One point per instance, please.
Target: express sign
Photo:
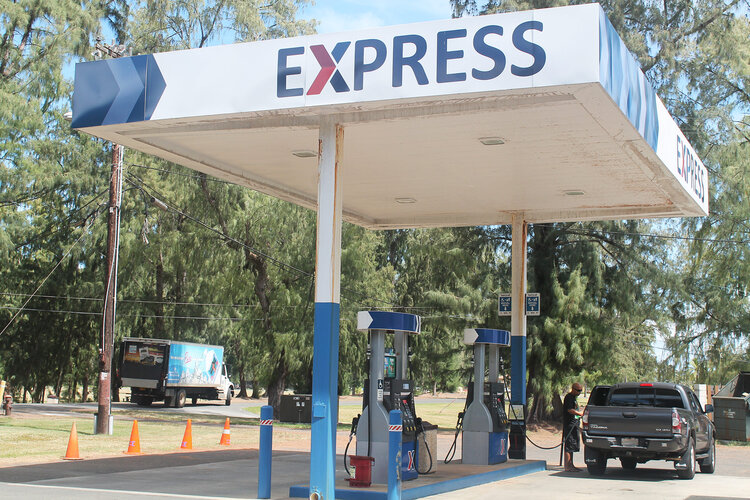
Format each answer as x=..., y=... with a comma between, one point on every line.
x=407, y=57
x=483, y=54
x=550, y=50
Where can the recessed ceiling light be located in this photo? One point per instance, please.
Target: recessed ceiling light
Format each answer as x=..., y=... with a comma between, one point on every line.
x=405, y=201
x=492, y=141
x=574, y=192
x=304, y=153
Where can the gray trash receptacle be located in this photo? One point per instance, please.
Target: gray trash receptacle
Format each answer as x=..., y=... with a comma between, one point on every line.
x=430, y=437
x=732, y=409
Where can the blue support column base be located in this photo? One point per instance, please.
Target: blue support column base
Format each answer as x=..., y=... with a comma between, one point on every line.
x=517, y=437
x=266, y=452
x=324, y=400
x=518, y=369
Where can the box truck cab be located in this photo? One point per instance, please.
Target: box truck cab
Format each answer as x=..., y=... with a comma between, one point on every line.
x=172, y=371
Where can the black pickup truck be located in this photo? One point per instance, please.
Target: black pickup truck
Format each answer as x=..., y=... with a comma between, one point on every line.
x=638, y=422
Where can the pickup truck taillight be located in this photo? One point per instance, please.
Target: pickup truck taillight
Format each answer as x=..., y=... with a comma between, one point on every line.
x=676, y=422
x=585, y=419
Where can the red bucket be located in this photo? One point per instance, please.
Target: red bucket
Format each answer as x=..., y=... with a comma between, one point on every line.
x=362, y=470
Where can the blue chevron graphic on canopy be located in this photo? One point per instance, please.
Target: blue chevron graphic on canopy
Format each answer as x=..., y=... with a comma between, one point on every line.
x=116, y=91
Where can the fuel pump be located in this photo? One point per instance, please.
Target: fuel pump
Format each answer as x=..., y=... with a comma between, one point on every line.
x=485, y=431
x=383, y=394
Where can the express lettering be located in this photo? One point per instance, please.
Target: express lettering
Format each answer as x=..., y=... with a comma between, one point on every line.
x=690, y=169
x=408, y=53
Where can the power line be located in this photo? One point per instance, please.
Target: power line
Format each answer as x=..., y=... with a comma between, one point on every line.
x=94, y=313
x=136, y=301
x=48, y=233
x=84, y=234
x=207, y=304
x=650, y=235
x=191, y=176
x=225, y=236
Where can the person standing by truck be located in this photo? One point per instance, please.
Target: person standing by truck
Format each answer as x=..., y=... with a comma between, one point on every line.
x=571, y=437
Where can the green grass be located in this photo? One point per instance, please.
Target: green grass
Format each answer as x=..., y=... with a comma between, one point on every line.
x=440, y=413
x=46, y=438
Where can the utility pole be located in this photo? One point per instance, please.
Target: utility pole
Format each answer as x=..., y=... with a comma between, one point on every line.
x=113, y=250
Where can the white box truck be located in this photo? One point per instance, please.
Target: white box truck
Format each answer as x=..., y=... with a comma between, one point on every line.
x=172, y=371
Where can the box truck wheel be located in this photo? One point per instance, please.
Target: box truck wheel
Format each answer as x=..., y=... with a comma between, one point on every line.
x=229, y=399
x=168, y=400
x=181, y=398
x=143, y=401
x=194, y=400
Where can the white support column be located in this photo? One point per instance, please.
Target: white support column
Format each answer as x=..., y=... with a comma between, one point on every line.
x=518, y=310
x=326, y=329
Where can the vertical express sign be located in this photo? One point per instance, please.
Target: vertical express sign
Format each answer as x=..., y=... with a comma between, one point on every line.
x=409, y=62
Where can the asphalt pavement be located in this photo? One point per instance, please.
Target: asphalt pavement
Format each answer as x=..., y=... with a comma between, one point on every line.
x=233, y=473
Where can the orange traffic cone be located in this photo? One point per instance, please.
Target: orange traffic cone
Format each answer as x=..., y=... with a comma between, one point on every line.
x=187, y=439
x=225, y=434
x=72, y=452
x=134, y=446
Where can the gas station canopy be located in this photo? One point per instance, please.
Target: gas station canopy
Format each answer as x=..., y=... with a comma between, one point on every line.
x=534, y=116
x=446, y=123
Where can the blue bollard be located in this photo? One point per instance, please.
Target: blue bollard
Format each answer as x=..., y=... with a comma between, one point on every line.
x=394, y=455
x=266, y=446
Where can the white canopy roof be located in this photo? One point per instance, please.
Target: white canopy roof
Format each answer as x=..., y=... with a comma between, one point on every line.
x=573, y=129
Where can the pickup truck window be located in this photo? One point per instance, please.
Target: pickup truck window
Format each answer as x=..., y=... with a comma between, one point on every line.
x=624, y=397
x=696, y=404
x=646, y=396
x=667, y=398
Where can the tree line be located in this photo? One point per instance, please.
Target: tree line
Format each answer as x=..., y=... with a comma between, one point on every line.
x=621, y=300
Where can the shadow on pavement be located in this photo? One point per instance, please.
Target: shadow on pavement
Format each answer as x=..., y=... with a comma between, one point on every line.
x=619, y=474
x=41, y=472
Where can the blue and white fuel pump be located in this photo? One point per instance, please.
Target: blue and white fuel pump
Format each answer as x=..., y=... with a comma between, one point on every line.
x=383, y=394
x=485, y=434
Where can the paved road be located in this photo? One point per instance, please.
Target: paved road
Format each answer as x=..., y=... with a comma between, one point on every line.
x=247, y=408
x=617, y=483
x=232, y=473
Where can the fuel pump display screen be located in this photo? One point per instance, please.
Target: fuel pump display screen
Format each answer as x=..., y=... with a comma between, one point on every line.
x=389, y=366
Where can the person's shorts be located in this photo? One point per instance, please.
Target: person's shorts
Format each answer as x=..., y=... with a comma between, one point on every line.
x=573, y=439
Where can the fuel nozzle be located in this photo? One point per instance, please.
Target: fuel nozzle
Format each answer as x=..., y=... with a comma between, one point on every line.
x=355, y=421
x=460, y=420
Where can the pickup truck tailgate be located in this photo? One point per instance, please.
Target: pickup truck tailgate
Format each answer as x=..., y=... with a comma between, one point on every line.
x=630, y=421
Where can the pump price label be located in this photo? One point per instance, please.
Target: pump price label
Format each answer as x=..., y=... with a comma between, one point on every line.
x=380, y=389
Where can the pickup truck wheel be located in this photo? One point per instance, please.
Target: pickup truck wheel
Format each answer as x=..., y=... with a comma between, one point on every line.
x=708, y=464
x=596, y=463
x=688, y=458
x=628, y=463
x=180, y=399
x=229, y=399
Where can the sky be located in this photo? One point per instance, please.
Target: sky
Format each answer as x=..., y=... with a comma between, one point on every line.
x=345, y=15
